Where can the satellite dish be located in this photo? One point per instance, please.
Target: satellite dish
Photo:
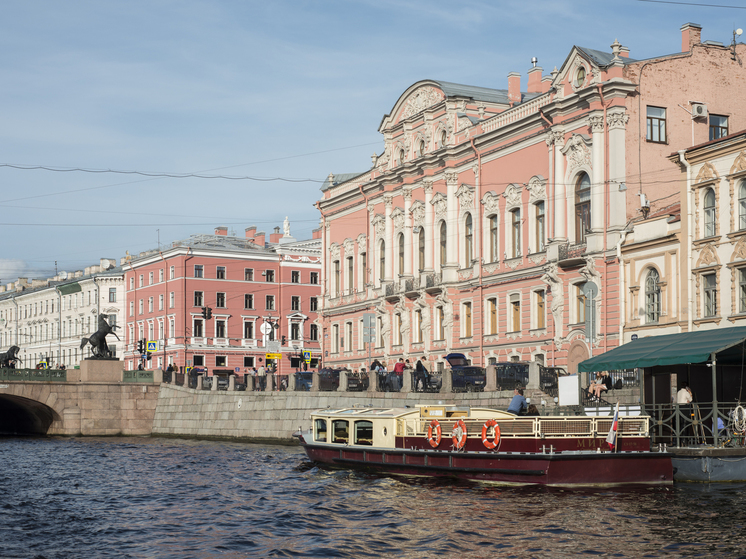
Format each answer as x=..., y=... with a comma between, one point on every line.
x=739, y=31
x=63, y=275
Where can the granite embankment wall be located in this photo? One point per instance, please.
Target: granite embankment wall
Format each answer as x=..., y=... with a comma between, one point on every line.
x=274, y=416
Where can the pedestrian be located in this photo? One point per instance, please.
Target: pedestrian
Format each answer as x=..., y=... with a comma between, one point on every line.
x=518, y=404
x=262, y=376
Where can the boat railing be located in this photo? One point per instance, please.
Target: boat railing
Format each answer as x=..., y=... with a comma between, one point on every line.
x=683, y=425
x=533, y=427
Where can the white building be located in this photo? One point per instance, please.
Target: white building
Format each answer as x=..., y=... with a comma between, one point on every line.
x=48, y=318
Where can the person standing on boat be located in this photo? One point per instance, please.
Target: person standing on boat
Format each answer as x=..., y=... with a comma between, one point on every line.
x=518, y=404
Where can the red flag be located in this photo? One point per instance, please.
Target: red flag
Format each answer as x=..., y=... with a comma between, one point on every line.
x=611, y=438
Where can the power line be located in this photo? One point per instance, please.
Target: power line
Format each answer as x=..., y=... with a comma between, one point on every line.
x=693, y=4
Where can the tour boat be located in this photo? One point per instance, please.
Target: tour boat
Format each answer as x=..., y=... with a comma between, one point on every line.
x=486, y=445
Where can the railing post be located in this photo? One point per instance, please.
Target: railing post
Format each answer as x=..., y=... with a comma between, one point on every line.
x=342, y=381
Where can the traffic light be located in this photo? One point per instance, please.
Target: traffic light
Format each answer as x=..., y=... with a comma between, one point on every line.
x=204, y=313
x=209, y=313
x=283, y=341
x=140, y=346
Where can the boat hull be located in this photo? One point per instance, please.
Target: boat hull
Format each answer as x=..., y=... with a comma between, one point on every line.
x=561, y=468
x=709, y=464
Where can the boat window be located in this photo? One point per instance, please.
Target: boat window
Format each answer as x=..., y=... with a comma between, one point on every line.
x=364, y=432
x=320, y=430
x=340, y=428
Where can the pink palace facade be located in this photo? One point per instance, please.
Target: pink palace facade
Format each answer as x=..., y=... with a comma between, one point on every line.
x=489, y=210
x=247, y=281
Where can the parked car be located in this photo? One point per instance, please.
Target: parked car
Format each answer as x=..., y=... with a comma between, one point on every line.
x=328, y=380
x=465, y=377
x=511, y=375
x=303, y=381
x=429, y=382
x=357, y=382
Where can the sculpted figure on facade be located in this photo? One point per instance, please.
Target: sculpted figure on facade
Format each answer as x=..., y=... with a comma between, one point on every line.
x=420, y=304
x=379, y=224
x=440, y=204
x=385, y=320
x=465, y=195
x=513, y=196
x=418, y=214
x=420, y=100
x=552, y=279
x=401, y=309
x=537, y=189
x=286, y=227
x=491, y=202
x=577, y=152
x=590, y=273
x=442, y=301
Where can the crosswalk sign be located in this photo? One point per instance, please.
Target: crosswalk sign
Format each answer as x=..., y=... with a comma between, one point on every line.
x=152, y=346
x=307, y=356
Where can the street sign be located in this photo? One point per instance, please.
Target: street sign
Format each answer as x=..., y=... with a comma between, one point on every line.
x=265, y=328
x=187, y=370
x=152, y=346
x=369, y=327
x=307, y=356
x=634, y=337
x=273, y=346
x=237, y=369
x=273, y=356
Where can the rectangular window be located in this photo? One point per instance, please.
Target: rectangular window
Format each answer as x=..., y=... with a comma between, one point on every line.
x=142, y=306
x=515, y=307
x=171, y=300
x=295, y=303
x=132, y=283
x=150, y=278
x=295, y=331
x=337, y=275
x=742, y=290
x=132, y=308
x=314, y=278
x=580, y=301
x=199, y=271
x=441, y=325
x=335, y=338
x=150, y=304
x=348, y=336
x=220, y=328
x=467, y=320
x=220, y=360
x=248, y=330
x=270, y=303
x=199, y=360
x=248, y=361
x=141, y=280
x=540, y=310
x=718, y=127
x=493, y=239
x=314, y=304
x=248, y=301
x=492, y=316
x=160, y=302
x=112, y=295
x=269, y=275
x=540, y=235
x=199, y=299
x=350, y=275
x=248, y=274
x=418, y=326
x=172, y=272
x=515, y=224
x=314, y=333
x=160, y=275
x=656, y=119
x=198, y=328
x=220, y=272
x=295, y=276
x=220, y=300
x=711, y=294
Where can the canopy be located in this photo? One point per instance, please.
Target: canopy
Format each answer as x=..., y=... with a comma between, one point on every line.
x=673, y=349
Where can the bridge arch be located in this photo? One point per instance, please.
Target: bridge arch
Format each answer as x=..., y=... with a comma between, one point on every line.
x=23, y=416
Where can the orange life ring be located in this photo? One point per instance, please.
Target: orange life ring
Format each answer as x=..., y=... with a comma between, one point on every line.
x=485, y=441
x=434, y=425
x=459, y=434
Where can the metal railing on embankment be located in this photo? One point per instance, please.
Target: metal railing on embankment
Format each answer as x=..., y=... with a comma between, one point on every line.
x=38, y=375
x=682, y=425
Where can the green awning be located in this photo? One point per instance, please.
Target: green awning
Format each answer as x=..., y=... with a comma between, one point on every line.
x=673, y=349
x=68, y=288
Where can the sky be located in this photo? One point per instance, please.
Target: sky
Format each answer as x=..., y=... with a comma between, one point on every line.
x=106, y=106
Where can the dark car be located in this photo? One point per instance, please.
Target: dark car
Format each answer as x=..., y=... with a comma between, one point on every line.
x=328, y=380
x=357, y=382
x=511, y=375
x=303, y=381
x=466, y=378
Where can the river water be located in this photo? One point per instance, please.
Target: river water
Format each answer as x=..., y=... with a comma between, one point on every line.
x=151, y=497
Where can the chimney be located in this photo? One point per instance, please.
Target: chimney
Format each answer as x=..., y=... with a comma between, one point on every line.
x=222, y=231
x=624, y=52
x=534, y=80
x=259, y=239
x=691, y=34
x=275, y=236
x=514, y=88
x=546, y=83
x=250, y=232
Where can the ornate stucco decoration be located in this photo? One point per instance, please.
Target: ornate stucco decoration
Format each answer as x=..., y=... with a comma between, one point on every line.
x=361, y=242
x=397, y=216
x=558, y=137
x=379, y=224
x=491, y=268
x=596, y=123
x=465, y=195
x=577, y=64
x=707, y=256
x=512, y=263
x=465, y=274
x=706, y=173
x=451, y=178
x=513, y=196
x=552, y=278
x=537, y=187
x=334, y=251
x=421, y=99
x=349, y=245
x=617, y=120
x=537, y=258
x=382, y=312
x=739, y=252
x=418, y=213
x=739, y=164
x=440, y=203
x=491, y=202
x=577, y=152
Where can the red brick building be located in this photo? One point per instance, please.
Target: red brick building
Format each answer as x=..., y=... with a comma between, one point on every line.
x=258, y=290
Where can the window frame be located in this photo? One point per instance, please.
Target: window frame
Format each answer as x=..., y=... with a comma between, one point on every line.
x=652, y=297
x=655, y=130
x=582, y=208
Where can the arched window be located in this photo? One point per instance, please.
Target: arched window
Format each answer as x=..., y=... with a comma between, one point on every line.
x=382, y=260
x=582, y=207
x=401, y=157
x=652, y=297
x=468, y=241
x=515, y=227
x=400, y=242
x=493, y=238
x=709, y=207
x=540, y=227
x=442, y=243
x=421, y=249
x=742, y=206
x=443, y=137
x=422, y=148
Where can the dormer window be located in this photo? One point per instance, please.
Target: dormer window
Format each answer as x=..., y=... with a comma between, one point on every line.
x=580, y=77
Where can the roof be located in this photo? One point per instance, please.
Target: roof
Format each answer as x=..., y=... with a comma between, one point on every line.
x=338, y=179
x=480, y=93
x=673, y=349
x=602, y=59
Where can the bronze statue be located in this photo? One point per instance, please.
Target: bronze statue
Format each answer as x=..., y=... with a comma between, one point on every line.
x=99, y=347
x=9, y=358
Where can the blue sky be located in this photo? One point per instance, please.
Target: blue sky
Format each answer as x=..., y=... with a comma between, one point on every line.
x=288, y=89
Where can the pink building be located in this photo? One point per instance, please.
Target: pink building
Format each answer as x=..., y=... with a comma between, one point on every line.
x=261, y=292
x=489, y=214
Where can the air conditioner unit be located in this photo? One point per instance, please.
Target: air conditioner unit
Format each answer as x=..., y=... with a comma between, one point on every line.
x=699, y=110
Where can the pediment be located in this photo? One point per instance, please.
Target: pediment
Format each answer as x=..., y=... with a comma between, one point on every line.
x=416, y=99
x=569, y=71
x=739, y=164
x=706, y=173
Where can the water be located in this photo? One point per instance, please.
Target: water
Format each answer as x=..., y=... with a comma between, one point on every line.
x=138, y=497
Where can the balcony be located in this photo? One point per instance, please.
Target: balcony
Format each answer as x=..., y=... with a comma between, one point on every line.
x=570, y=255
x=430, y=280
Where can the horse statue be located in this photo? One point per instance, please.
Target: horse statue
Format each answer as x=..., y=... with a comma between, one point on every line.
x=9, y=358
x=99, y=347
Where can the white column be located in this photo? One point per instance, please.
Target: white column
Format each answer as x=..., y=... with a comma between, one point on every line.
x=407, y=193
x=560, y=194
x=390, y=251
x=597, y=176
x=452, y=237
x=429, y=232
x=617, y=198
